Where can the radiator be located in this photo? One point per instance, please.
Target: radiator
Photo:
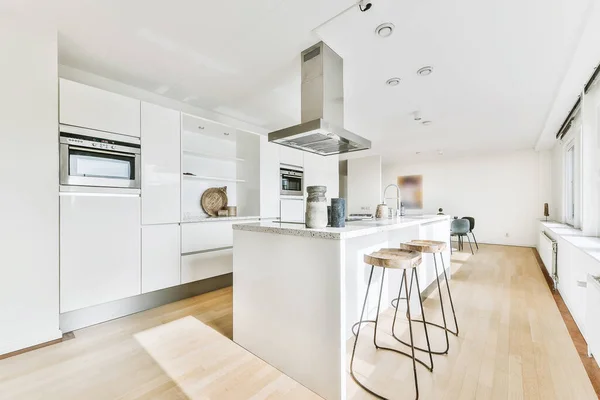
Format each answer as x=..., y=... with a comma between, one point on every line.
x=592, y=322
x=547, y=250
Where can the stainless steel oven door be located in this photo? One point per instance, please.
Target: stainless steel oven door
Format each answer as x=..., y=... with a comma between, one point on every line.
x=84, y=166
x=291, y=183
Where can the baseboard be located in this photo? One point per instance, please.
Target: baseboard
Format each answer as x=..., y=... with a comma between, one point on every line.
x=24, y=347
x=89, y=316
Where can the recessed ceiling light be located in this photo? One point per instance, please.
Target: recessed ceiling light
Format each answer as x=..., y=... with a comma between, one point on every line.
x=440, y=152
x=418, y=152
x=393, y=82
x=425, y=71
x=426, y=123
x=385, y=30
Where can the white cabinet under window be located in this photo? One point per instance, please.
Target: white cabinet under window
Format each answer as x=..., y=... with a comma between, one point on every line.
x=161, y=255
x=93, y=108
x=161, y=165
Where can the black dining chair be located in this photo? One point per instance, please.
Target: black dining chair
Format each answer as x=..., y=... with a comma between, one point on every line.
x=472, y=226
x=460, y=228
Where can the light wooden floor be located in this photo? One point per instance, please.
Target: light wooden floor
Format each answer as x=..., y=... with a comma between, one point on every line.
x=164, y=353
x=513, y=345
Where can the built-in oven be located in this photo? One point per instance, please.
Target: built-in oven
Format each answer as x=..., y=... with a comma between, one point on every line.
x=291, y=181
x=99, y=159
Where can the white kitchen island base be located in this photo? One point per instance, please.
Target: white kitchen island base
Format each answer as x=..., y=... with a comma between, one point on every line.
x=297, y=292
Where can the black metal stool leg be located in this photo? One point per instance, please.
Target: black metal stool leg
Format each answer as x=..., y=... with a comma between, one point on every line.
x=450, y=297
x=378, y=308
x=356, y=340
x=408, y=316
x=412, y=342
x=445, y=327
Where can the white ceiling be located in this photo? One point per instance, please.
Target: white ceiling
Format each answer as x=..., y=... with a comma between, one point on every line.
x=497, y=65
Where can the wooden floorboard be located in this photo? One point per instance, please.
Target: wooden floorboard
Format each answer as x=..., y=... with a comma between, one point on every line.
x=590, y=364
x=513, y=343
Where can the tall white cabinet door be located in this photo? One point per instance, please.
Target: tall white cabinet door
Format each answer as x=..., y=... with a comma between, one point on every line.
x=292, y=209
x=100, y=242
x=270, y=180
x=320, y=170
x=90, y=107
x=29, y=175
x=161, y=256
x=291, y=156
x=313, y=172
x=332, y=171
x=161, y=165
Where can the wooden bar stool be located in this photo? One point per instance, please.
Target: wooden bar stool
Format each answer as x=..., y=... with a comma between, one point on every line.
x=432, y=247
x=397, y=259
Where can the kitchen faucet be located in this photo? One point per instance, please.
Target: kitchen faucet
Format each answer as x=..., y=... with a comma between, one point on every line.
x=397, y=197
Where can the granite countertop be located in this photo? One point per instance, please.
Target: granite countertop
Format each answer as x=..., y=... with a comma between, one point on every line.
x=351, y=230
x=588, y=244
x=191, y=220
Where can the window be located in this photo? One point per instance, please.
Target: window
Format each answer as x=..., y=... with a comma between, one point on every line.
x=570, y=184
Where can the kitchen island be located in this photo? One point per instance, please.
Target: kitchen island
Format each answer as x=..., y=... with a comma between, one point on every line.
x=298, y=291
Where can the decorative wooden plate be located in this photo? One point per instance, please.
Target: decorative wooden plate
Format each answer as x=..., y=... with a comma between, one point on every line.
x=213, y=200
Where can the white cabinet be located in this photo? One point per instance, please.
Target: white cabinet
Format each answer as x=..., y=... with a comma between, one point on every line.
x=203, y=236
x=206, y=249
x=292, y=209
x=206, y=265
x=320, y=170
x=291, y=156
x=193, y=124
x=161, y=165
x=592, y=321
x=90, y=107
x=100, y=242
x=270, y=180
x=161, y=256
x=29, y=175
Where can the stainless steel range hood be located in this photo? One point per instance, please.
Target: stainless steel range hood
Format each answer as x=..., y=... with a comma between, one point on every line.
x=321, y=131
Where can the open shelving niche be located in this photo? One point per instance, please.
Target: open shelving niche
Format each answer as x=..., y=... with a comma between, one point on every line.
x=218, y=156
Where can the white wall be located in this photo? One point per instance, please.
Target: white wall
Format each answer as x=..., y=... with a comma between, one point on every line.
x=29, y=176
x=503, y=192
x=364, y=184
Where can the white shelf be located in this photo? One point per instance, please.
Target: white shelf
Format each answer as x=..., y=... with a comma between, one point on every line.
x=212, y=156
x=212, y=178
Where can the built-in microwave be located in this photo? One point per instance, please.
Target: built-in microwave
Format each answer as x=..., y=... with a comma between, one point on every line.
x=101, y=159
x=291, y=181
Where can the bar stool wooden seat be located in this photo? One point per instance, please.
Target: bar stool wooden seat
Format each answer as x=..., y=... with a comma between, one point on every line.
x=432, y=247
x=404, y=260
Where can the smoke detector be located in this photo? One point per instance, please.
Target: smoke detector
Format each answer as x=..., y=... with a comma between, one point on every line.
x=426, y=123
x=385, y=30
x=427, y=70
x=417, y=116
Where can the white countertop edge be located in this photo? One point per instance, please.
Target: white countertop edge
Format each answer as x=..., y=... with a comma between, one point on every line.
x=217, y=219
x=351, y=230
x=574, y=236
